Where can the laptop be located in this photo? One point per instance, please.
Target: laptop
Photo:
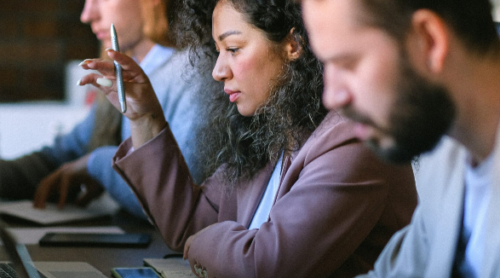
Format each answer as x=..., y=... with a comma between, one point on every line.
x=21, y=266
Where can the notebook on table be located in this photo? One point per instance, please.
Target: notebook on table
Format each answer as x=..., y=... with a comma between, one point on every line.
x=21, y=265
x=51, y=215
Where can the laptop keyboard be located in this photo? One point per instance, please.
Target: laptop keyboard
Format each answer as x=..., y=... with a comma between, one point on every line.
x=7, y=271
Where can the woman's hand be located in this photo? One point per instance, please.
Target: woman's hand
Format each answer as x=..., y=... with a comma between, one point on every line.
x=191, y=239
x=143, y=108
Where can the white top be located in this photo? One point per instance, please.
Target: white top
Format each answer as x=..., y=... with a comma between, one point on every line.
x=262, y=213
x=477, y=193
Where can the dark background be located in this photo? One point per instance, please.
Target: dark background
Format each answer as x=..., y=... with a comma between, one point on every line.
x=37, y=38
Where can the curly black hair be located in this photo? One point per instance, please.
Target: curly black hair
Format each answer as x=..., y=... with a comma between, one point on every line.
x=244, y=145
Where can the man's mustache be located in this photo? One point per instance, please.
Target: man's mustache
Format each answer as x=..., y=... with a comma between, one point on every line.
x=352, y=114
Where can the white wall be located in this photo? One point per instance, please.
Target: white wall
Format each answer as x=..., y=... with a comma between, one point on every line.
x=26, y=127
x=496, y=12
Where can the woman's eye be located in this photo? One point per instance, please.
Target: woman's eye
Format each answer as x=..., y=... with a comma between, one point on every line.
x=232, y=50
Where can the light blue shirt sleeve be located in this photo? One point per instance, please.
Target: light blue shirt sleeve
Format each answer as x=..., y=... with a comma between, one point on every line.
x=176, y=87
x=99, y=167
x=72, y=145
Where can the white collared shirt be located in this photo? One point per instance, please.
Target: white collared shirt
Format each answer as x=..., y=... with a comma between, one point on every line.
x=477, y=198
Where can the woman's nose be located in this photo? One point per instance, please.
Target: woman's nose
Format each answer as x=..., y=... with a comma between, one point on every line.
x=221, y=70
x=90, y=11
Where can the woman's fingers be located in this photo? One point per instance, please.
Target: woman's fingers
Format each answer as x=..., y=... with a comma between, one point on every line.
x=105, y=84
x=140, y=97
x=103, y=81
x=125, y=61
x=106, y=68
x=131, y=71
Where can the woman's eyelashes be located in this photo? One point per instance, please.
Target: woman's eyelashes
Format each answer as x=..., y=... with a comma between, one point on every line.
x=232, y=50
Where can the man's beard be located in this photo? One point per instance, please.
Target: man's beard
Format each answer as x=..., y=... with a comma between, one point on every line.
x=421, y=114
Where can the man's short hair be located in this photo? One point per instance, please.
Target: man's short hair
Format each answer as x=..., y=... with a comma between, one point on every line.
x=471, y=20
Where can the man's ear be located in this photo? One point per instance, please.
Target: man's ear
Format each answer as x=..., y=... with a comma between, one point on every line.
x=431, y=37
x=293, y=46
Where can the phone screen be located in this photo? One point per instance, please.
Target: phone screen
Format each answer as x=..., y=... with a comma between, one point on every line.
x=138, y=272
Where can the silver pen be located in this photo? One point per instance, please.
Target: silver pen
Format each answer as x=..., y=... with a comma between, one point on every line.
x=118, y=69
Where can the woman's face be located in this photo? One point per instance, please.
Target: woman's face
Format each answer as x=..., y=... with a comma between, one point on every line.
x=248, y=62
x=126, y=15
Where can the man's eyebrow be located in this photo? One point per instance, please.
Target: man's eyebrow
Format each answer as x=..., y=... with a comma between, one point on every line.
x=228, y=33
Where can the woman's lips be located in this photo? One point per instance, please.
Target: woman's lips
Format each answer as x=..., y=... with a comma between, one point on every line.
x=102, y=35
x=233, y=95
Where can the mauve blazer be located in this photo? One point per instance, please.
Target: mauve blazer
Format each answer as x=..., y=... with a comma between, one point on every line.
x=336, y=207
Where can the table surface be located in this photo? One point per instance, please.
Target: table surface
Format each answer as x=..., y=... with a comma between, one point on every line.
x=101, y=258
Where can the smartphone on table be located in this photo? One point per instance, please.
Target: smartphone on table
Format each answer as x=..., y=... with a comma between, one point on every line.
x=96, y=240
x=134, y=272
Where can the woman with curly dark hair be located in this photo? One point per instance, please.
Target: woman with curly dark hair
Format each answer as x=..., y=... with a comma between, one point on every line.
x=293, y=193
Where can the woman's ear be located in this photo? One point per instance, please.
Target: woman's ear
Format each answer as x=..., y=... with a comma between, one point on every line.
x=293, y=46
